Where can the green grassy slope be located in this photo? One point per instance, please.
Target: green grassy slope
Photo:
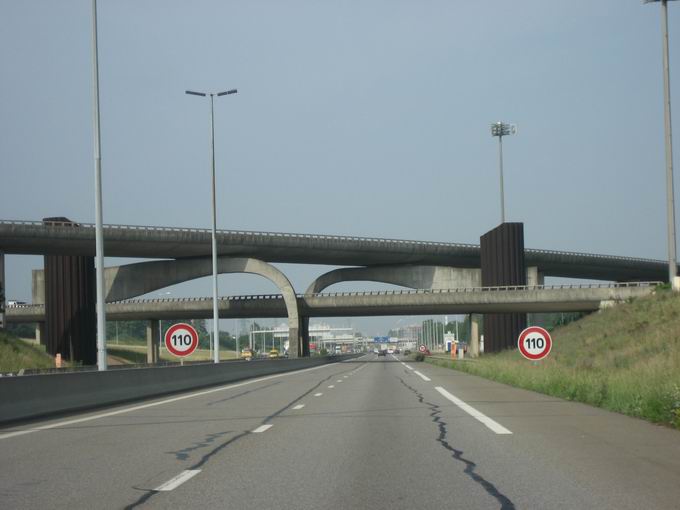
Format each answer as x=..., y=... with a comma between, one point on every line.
x=625, y=359
x=16, y=354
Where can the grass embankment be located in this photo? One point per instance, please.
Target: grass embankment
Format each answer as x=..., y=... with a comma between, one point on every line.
x=16, y=354
x=625, y=359
x=130, y=353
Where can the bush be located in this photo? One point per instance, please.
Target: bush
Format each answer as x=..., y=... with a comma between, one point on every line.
x=419, y=356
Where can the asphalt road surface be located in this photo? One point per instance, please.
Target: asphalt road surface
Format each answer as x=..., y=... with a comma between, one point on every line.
x=373, y=433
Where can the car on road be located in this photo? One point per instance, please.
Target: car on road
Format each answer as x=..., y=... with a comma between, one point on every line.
x=246, y=354
x=274, y=353
x=396, y=351
x=382, y=352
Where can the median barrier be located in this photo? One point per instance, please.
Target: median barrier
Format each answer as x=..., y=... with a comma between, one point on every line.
x=33, y=396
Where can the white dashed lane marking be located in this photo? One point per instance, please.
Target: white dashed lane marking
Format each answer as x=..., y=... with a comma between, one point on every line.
x=318, y=394
x=299, y=406
x=262, y=428
x=423, y=377
x=332, y=386
x=173, y=483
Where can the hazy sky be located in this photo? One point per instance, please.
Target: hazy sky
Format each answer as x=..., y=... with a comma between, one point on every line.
x=352, y=117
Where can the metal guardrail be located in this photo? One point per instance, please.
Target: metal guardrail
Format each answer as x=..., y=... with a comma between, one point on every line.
x=313, y=236
x=263, y=297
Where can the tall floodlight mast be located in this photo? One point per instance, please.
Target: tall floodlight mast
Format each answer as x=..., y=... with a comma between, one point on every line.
x=500, y=129
x=216, y=315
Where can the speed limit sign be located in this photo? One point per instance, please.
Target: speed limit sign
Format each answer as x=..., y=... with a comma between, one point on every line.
x=181, y=339
x=534, y=343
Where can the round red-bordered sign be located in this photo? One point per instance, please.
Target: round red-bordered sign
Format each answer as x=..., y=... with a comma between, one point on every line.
x=422, y=348
x=181, y=339
x=534, y=343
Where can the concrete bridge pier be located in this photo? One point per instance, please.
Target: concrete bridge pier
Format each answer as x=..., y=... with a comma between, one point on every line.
x=304, y=336
x=474, y=336
x=152, y=339
x=40, y=333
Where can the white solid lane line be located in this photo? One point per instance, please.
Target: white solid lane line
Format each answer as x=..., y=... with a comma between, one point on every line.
x=318, y=394
x=410, y=368
x=493, y=425
x=423, y=377
x=262, y=428
x=173, y=483
x=299, y=406
x=153, y=404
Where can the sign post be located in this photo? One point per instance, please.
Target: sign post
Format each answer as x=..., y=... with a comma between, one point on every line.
x=534, y=343
x=181, y=340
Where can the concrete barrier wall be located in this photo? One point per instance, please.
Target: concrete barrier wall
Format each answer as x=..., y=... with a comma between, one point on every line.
x=33, y=396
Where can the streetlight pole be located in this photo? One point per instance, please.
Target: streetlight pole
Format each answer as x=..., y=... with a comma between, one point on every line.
x=99, y=228
x=216, y=316
x=670, y=201
x=500, y=130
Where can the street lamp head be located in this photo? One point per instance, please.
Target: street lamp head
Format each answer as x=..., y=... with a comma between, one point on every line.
x=652, y=1
x=191, y=92
x=501, y=129
x=232, y=91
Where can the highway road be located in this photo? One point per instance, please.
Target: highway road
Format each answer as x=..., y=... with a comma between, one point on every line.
x=376, y=433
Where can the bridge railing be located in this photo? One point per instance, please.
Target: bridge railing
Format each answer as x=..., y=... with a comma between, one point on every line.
x=238, y=232
x=492, y=289
x=315, y=236
x=256, y=297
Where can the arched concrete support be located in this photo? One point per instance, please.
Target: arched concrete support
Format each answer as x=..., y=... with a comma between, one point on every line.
x=131, y=280
x=412, y=276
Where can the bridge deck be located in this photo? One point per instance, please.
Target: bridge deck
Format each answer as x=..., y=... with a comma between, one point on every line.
x=557, y=298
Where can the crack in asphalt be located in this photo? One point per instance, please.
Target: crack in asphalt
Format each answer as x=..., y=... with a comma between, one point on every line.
x=149, y=493
x=435, y=412
x=248, y=392
x=183, y=454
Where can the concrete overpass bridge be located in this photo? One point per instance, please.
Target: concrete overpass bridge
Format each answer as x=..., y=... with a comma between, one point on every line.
x=506, y=299
x=411, y=264
x=62, y=238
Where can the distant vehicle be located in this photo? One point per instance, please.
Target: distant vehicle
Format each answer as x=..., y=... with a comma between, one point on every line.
x=397, y=351
x=390, y=351
x=375, y=351
x=246, y=354
x=14, y=302
x=274, y=353
x=382, y=352
x=407, y=352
